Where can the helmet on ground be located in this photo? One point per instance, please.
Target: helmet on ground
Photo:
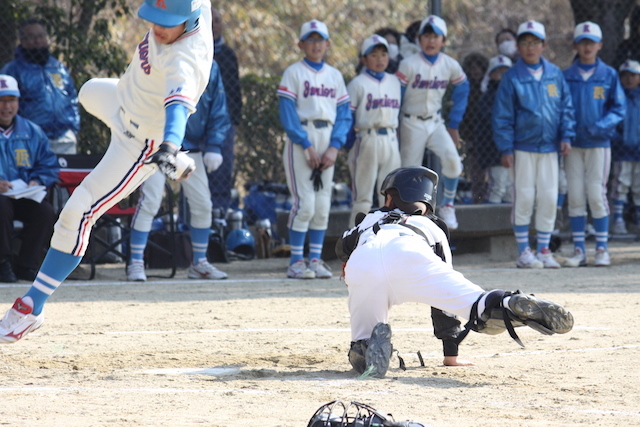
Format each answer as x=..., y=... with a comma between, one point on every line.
x=171, y=13
x=241, y=243
x=413, y=184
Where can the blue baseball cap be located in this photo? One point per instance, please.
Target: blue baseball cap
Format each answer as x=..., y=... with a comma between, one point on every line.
x=369, y=44
x=314, y=26
x=436, y=23
x=587, y=30
x=534, y=28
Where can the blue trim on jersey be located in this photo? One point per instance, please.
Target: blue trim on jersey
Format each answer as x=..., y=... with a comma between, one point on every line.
x=291, y=122
x=534, y=66
x=460, y=98
x=315, y=65
x=175, y=123
x=378, y=76
x=342, y=125
x=586, y=67
x=430, y=58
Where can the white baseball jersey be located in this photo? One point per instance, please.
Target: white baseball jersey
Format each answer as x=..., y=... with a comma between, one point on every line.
x=427, y=83
x=163, y=74
x=376, y=103
x=316, y=93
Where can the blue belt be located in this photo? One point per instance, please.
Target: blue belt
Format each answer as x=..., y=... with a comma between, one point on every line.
x=316, y=123
x=380, y=131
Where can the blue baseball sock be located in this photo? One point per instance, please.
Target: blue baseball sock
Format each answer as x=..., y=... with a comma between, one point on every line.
x=522, y=237
x=561, y=198
x=199, y=243
x=56, y=267
x=316, y=240
x=296, y=241
x=618, y=210
x=138, y=242
x=543, y=241
x=578, y=225
x=450, y=187
x=602, y=231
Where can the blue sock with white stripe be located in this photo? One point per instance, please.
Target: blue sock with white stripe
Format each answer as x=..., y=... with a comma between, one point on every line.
x=618, y=210
x=199, y=243
x=522, y=237
x=316, y=240
x=561, y=198
x=578, y=226
x=450, y=186
x=296, y=241
x=602, y=231
x=137, y=243
x=543, y=240
x=56, y=267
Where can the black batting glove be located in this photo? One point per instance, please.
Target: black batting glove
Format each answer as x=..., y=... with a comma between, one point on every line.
x=165, y=159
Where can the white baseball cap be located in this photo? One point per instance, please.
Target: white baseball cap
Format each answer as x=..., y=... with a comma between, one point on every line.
x=435, y=22
x=499, y=61
x=628, y=65
x=8, y=86
x=532, y=27
x=372, y=42
x=314, y=26
x=587, y=30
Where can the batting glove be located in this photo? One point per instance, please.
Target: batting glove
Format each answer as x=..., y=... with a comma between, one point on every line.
x=166, y=160
x=212, y=161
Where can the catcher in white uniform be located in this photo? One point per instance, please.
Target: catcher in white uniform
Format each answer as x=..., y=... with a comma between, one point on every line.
x=375, y=102
x=147, y=111
x=400, y=254
x=314, y=111
x=425, y=77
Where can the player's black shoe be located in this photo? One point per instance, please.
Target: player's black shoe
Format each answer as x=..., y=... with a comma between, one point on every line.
x=544, y=316
x=379, y=351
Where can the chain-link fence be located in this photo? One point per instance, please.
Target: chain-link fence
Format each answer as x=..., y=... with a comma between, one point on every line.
x=96, y=38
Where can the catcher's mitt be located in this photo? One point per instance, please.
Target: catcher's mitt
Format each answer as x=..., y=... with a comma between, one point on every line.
x=337, y=414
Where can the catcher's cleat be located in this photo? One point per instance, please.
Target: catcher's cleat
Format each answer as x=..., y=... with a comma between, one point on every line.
x=379, y=351
x=544, y=316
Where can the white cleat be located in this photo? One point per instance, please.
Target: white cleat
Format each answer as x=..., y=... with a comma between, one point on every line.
x=18, y=321
x=135, y=271
x=321, y=269
x=528, y=260
x=448, y=215
x=299, y=270
x=204, y=270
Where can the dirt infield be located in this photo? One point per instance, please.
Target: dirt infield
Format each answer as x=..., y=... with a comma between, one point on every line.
x=260, y=350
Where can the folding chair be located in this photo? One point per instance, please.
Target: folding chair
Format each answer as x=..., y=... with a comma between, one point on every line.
x=73, y=169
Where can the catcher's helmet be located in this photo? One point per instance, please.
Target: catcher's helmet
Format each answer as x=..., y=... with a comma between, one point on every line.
x=171, y=13
x=241, y=243
x=414, y=184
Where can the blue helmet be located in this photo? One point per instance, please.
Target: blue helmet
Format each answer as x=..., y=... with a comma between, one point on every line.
x=241, y=243
x=171, y=13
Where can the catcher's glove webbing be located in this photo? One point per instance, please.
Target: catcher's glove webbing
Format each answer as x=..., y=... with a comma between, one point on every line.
x=337, y=414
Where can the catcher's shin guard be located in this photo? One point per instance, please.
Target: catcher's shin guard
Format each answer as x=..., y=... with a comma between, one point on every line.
x=541, y=315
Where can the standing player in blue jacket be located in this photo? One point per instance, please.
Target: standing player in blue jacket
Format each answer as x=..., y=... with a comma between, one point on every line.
x=204, y=138
x=599, y=103
x=533, y=119
x=625, y=149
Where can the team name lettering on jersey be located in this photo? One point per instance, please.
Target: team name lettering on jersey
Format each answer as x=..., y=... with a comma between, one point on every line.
x=429, y=84
x=318, y=91
x=143, y=53
x=386, y=102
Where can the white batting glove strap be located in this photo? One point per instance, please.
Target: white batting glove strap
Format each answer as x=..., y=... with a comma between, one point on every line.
x=212, y=161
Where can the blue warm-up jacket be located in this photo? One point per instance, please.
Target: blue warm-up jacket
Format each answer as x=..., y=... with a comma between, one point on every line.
x=599, y=104
x=26, y=155
x=625, y=146
x=531, y=115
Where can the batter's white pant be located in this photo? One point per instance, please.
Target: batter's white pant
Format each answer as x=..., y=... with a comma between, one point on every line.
x=310, y=209
x=392, y=269
x=535, y=185
x=119, y=173
x=627, y=175
x=370, y=160
x=416, y=135
x=196, y=191
x=587, y=175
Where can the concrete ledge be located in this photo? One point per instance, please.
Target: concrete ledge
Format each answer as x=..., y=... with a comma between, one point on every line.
x=482, y=228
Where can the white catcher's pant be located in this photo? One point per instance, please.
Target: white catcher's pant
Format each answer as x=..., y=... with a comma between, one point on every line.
x=196, y=191
x=416, y=135
x=118, y=174
x=392, y=269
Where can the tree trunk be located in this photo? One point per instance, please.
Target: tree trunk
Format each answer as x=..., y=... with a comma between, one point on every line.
x=610, y=15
